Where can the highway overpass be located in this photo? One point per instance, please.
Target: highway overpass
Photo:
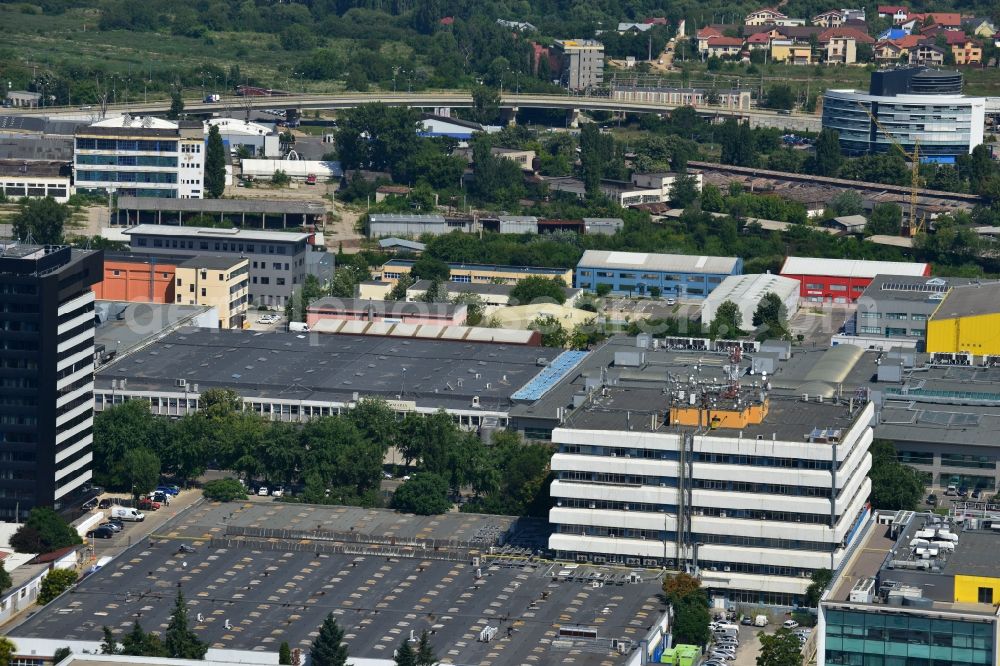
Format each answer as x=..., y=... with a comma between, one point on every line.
x=430, y=100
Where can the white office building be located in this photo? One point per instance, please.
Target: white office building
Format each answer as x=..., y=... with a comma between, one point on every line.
x=142, y=157
x=754, y=499
x=913, y=106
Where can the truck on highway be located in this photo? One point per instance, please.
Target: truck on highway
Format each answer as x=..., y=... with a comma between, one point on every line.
x=214, y=97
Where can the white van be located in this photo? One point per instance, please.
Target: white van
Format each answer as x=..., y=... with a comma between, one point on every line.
x=127, y=513
x=298, y=327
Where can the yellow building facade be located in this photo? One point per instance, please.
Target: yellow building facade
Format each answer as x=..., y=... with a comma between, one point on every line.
x=392, y=270
x=220, y=282
x=967, y=320
x=977, y=589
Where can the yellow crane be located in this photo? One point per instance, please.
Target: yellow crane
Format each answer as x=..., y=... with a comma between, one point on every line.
x=912, y=226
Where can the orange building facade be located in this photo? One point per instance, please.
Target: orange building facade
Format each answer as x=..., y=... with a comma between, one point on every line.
x=140, y=279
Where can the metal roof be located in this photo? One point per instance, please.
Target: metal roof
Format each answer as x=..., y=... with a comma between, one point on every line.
x=680, y=263
x=221, y=234
x=970, y=301
x=265, y=206
x=853, y=268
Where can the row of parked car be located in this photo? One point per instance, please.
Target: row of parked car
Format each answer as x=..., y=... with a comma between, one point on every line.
x=120, y=511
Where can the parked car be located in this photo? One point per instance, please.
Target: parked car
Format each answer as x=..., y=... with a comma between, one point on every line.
x=147, y=504
x=278, y=492
x=747, y=621
x=161, y=497
x=262, y=491
x=90, y=504
x=932, y=499
x=108, y=502
x=728, y=656
x=115, y=527
x=790, y=624
x=102, y=532
x=169, y=490
x=129, y=514
x=115, y=521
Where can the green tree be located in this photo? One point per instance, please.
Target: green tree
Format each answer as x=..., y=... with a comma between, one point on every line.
x=712, y=199
x=782, y=648
x=43, y=532
x=215, y=164
x=224, y=490
x=887, y=218
x=40, y=220
x=498, y=180
x=5, y=581
x=108, y=644
x=55, y=583
x=779, y=97
x=142, y=644
x=820, y=579
x=828, y=157
x=430, y=268
x=328, y=648
x=848, y=202
x=376, y=420
x=176, y=105
x=398, y=291
x=485, y=105
x=280, y=178
x=424, y=494
x=284, y=654
x=405, y=656
x=7, y=650
x=119, y=430
x=895, y=486
x=179, y=641
x=553, y=332
x=60, y=654
x=376, y=137
x=142, y=470
x=691, y=620
x=425, y=653
x=771, y=314
x=727, y=320
x=474, y=307
x=684, y=190
x=597, y=152
x=296, y=305
x=537, y=289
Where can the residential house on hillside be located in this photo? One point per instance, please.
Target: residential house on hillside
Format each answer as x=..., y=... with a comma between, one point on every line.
x=706, y=33
x=927, y=54
x=897, y=13
x=891, y=51
x=759, y=40
x=834, y=18
x=840, y=45
x=766, y=16
x=724, y=47
x=967, y=51
x=980, y=27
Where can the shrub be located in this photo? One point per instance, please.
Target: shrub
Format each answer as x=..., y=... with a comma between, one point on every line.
x=224, y=490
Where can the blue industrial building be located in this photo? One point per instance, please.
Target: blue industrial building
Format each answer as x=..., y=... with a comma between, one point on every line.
x=637, y=273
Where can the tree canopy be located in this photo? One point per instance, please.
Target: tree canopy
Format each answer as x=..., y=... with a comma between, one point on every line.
x=215, y=164
x=43, y=532
x=425, y=494
x=536, y=289
x=894, y=485
x=328, y=647
x=727, y=320
x=179, y=641
x=782, y=648
x=690, y=602
x=41, y=220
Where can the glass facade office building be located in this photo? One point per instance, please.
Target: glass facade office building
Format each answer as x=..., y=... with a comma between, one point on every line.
x=857, y=637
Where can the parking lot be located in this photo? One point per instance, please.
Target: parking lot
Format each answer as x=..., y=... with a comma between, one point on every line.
x=266, y=321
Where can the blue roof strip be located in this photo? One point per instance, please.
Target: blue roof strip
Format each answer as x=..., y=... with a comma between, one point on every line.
x=551, y=375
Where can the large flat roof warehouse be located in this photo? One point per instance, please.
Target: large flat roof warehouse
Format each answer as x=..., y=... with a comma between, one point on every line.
x=332, y=368
x=855, y=268
x=211, y=232
x=680, y=263
x=250, y=586
x=271, y=206
x=969, y=301
x=911, y=287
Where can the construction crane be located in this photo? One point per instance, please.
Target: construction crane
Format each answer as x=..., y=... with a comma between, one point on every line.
x=913, y=226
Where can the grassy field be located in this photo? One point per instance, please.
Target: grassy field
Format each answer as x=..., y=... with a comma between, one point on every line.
x=72, y=39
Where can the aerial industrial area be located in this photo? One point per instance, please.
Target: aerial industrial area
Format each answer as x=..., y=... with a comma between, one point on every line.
x=651, y=334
